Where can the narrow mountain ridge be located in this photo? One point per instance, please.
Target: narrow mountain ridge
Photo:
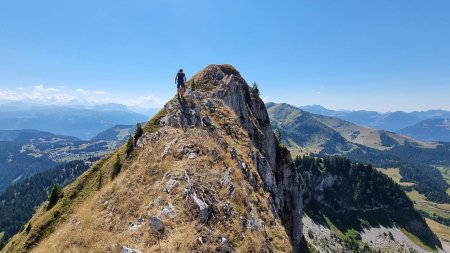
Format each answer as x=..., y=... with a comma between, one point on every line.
x=206, y=175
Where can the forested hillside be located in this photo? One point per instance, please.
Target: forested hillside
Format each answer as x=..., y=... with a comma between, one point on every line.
x=19, y=201
x=16, y=164
x=416, y=165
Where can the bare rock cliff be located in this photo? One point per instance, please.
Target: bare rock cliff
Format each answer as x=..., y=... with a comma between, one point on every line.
x=275, y=166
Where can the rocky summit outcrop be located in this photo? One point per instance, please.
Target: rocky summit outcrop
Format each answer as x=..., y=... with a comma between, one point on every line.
x=207, y=175
x=275, y=168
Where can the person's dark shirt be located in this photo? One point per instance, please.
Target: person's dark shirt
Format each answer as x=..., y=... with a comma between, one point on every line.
x=180, y=78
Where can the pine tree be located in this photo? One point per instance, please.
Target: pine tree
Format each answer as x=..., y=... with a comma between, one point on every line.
x=255, y=89
x=138, y=133
x=117, y=167
x=55, y=195
x=130, y=146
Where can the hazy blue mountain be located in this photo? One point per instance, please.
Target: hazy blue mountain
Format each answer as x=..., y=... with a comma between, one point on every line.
x=432, y=114
x=429, y=130
x=318, y=109
x=80, y=122
x=10, y=135
x=391, y=121
x=395, y=121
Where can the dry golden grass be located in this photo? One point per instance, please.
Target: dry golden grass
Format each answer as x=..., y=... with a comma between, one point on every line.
x=393, y=173
x=367, y=136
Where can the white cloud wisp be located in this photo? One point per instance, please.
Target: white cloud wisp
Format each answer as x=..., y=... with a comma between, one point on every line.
x=62, y=96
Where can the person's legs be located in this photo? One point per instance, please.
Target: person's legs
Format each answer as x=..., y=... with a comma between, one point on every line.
x=183, y=89
x=178, y=90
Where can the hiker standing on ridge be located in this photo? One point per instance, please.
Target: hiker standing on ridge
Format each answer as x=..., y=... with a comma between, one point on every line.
x=180, y=81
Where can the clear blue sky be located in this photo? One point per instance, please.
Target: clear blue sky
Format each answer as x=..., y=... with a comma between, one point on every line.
x=381, y=55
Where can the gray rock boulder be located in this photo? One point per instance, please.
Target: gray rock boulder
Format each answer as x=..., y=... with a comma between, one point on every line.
x=168, y=211
x=156, y=224
x=192, y=155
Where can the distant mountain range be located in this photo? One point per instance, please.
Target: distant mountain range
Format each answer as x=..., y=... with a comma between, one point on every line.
x=391, y=121
x=306, y=133
x=81, y=122
x=429, y=130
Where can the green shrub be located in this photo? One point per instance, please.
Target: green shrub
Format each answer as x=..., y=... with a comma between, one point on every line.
x=55, y=195
x=391, y=236
x=255, y=89
x=130, y=146
x=364, y=223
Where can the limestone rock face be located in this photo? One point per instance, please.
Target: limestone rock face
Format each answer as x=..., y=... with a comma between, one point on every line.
x=276, y=169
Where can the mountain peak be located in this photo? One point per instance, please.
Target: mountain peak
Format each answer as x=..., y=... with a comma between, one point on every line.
x=214, y=73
